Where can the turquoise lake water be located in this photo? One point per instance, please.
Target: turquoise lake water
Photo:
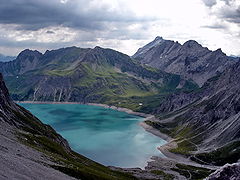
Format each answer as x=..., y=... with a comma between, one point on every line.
x=104, y=135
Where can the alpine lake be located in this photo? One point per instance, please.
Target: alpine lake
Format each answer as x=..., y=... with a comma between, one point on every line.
x=107, y=136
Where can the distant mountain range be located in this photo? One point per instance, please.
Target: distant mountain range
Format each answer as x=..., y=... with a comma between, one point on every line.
x=4, y=58
x=86, y=75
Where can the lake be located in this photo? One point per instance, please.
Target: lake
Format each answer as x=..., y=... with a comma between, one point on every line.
x=104, y=135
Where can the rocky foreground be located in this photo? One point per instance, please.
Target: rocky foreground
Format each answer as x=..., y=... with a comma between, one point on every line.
x=19, y=161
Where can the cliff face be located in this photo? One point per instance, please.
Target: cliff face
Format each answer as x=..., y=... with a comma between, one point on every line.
x=22, y=119
x=190, y=60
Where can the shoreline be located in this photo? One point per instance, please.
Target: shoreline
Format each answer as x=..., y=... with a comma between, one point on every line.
x=164, y=148
x=129, y=111
x=145, y=126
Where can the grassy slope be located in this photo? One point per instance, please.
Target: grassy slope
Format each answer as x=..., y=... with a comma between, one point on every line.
x=103, y=83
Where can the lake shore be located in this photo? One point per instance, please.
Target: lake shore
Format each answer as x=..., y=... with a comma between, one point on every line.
x=129, y=111
x=169, y=157
x=145, y=126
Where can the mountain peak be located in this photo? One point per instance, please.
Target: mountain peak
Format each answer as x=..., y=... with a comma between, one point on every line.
x=97, y=47
x=28, y=52
x=157, y=41
x=158, y=38
x=191, y=44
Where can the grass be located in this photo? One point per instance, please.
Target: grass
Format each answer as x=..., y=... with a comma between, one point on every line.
x=192, y=172
x=59, y=72
x=186, y=137
x=72, y=163
x=229, y=153
x=163, y=174
x=184, y=147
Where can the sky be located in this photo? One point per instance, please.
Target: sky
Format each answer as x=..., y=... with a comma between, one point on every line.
x=123, y=25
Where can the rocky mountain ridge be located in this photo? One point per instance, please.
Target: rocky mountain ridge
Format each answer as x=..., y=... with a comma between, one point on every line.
x=205, y=123
x=190, y=60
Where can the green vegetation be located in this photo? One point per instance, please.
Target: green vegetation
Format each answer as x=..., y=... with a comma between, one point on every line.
x=97, y=76
x=229, y=153
x=192, y=172
x=60, y=72
x=184, y=147
x=163, y=174
x=73, y=164
x=185, y=137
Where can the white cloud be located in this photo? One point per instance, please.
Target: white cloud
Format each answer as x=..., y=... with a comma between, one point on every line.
x=126, y=25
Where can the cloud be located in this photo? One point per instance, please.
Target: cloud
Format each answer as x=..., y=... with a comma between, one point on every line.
x=54, y=23
x=119, y=24
x=79, y=14
x=50, y=32
x=209, y=3
x=230, y=13
x=215, y=26
x=225, y=10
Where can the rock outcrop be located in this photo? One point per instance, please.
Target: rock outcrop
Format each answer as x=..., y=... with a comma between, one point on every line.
x=228, y=171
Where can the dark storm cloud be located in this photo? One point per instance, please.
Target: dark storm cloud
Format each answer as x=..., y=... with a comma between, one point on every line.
x=230, y=12
x=78, y=14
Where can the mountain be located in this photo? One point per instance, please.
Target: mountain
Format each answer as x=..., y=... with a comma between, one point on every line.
x=86, y=75
x=190, y=60
x=226, y=172
x=205, y=124
x=32, y=150
x=4, y=58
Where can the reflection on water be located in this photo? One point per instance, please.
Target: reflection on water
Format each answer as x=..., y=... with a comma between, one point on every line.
x=107, y=136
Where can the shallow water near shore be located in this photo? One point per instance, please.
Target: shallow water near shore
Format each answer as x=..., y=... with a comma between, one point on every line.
x=104, y=135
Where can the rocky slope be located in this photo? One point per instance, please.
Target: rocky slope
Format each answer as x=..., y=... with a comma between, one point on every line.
x=190, y=60
x=205, y=123
x=85, y=75
x=226, y=172
x=32, y=150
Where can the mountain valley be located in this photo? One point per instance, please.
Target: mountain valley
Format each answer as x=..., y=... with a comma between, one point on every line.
x=193, y=93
